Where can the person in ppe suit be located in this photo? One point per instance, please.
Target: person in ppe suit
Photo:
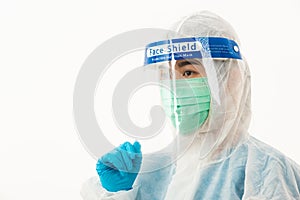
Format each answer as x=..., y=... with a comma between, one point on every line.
x=212, y=105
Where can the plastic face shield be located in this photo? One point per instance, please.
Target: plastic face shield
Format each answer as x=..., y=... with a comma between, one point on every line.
x=175, y=90
x=186, y=70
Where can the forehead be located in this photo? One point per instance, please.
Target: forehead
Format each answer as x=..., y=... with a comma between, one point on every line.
x=193, y=62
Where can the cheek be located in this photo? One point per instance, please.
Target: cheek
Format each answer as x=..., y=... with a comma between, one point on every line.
x=202, y=72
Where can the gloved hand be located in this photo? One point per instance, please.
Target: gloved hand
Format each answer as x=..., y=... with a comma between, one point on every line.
x=118, y=168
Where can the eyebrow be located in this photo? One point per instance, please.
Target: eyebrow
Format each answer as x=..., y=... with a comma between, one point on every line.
x=189, y=62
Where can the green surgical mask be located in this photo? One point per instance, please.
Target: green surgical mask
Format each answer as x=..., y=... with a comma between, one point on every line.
x=188, y=104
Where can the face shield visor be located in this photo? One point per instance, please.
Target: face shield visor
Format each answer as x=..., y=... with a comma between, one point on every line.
x=188, y=72
x=171, y=97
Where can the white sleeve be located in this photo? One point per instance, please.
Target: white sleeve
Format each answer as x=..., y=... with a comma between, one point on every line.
x=92, y=190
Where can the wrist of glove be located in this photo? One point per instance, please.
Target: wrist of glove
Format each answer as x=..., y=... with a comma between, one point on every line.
x=119, y=168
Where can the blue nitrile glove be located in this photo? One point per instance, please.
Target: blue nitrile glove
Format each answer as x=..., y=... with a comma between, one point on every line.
x=118, y=168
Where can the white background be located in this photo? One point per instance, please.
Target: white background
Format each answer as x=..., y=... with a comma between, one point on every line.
x=44, y=43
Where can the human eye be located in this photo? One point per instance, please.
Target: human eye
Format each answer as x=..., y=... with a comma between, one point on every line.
x=189, y=73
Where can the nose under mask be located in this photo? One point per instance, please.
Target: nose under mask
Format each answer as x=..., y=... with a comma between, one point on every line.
x=187, y=103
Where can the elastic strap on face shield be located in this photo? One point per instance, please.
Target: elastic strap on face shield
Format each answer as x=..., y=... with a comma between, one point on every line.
x=188, y=48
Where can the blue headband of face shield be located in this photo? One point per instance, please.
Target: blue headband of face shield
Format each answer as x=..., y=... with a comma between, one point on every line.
x=193, y=47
